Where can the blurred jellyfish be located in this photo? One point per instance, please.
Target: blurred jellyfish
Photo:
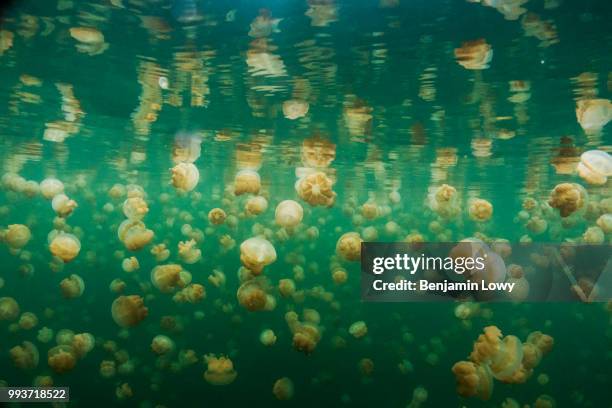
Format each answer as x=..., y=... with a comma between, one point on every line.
x=480, y=210
x=162, y=344
x=595, y=167
x=283, y=389
x=295, y=109
x=358, y=329
x=220, y=370
x=256, y=205
x=82, y=344
x=130, y=264
x=61, y=359
x=256, y=253
x=160, y=252
x=475, y=54
x=25, y=356
x=263, y=25
x=267, y=337
x=50, y=187
x=128, y=311
x=62, y=205
x=185, y=176
x=17, y=236
x=288, y=213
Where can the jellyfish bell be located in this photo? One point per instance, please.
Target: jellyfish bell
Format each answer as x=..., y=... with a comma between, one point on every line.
x=168, y=278
x=295, y=109
x=252, y=296
x=128, y=311
x=64, y=246
x=318, y=152
x=9, y=308
x=474, y=55
x=247, y=181
x=16, y=236
x=256, y=253
x=50, y=187
x=288, y=213
x=480, y=210
x=283, y=389
x=316, y=189
x=595, y=167
x=507, y=359
x=185, y=176
x=187, y=147
x=72, y=286
x=473, y=380
x=61, y=358
x=348, y=246
x=162, y=344
x=220, y=370
x=256, y=205
x=135, y=208
x=568, y=198
x=62, y=205
x=593, y=114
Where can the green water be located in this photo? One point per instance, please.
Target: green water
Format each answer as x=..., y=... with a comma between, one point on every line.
x=390, y=111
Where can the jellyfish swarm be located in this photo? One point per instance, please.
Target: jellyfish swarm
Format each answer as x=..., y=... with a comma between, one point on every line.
x=503, y=358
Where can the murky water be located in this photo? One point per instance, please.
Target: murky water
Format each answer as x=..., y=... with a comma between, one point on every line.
x=168, y=133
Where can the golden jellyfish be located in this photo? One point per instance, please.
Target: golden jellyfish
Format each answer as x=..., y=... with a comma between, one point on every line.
x=61, y=359
x=27, y=321
x=72, y=286
x=50, y=187
x=288, y=213
x=256, y=253
x=135, y=208
x=247, y=181
x=82, y=344
x=64, y=246
x=567, y=198
x=87, y=35
x=358, y=329
x=220, y=370
x=217, y=278
x=17, y=236
x=475, y=54
x=473, y=380
x=24, y=356
x=187, y=147
x=595, y=167
x=318, y=152
x=444, y=200
x=9, y=308
x=185, y=176
x=283, y=389
x=160, y=252
x=130, y=264
x=137, y=236
x=306, y=336
x=252, y=296
x=128, y=311
x=594, y=236
x=339, y=276
x=256, y=205
x=117, y=191
x=162, y=344
x=480, y=210
x=593, y=114
x=316, y=189
x=605, y=223
x=62, y=205
x=295, y=109
x=286, y=287
x=369, y=210
x=169, y=277
x=217, y=216
x=267, y=337
x=349, y=246
x=188, y=252
x=192, y=293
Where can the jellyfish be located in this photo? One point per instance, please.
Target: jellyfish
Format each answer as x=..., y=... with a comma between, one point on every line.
x=82, y=344
x=444, y=201
x=45, y=335
x=50, y=187
x=217, y=216
x=252, y=296
x=137, y=236
x=25, y=356
x=128, y=311
x=62, y=205
x=17, y=236
x=595, y=167
x=72, y=286
x=247, y=181
x=27, y=321
x=288, y=213
x=480, y=210
x=306, y=336
x=286, y=287
x=263, y=25
x=358, y=329
x=130, y=264
x=349, y=246
x=9, y=308
x=567, y=198
x=220, y=370
x=135, y=208
x=594, y=236
x=160, y=252
x=419, y=396
x=316, y=189
x=593, y=114
x=267, y=337
x=185, y=176
x=256, y=253
x=64, y=246
x=339, y=276
x=605, y=223
x=283, y=389
x=256, y=205
x=192, y=293
x=473, y=380
x=61, y=359
x=162, y=344
x=187, y=147
x=295, y=109
x=217, y=278
x=169, y=277
x=475, y=54
x=188, y=252
x=108, y=368
x=87, y=35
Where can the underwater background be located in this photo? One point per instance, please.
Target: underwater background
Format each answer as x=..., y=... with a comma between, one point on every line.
x=358, y=111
